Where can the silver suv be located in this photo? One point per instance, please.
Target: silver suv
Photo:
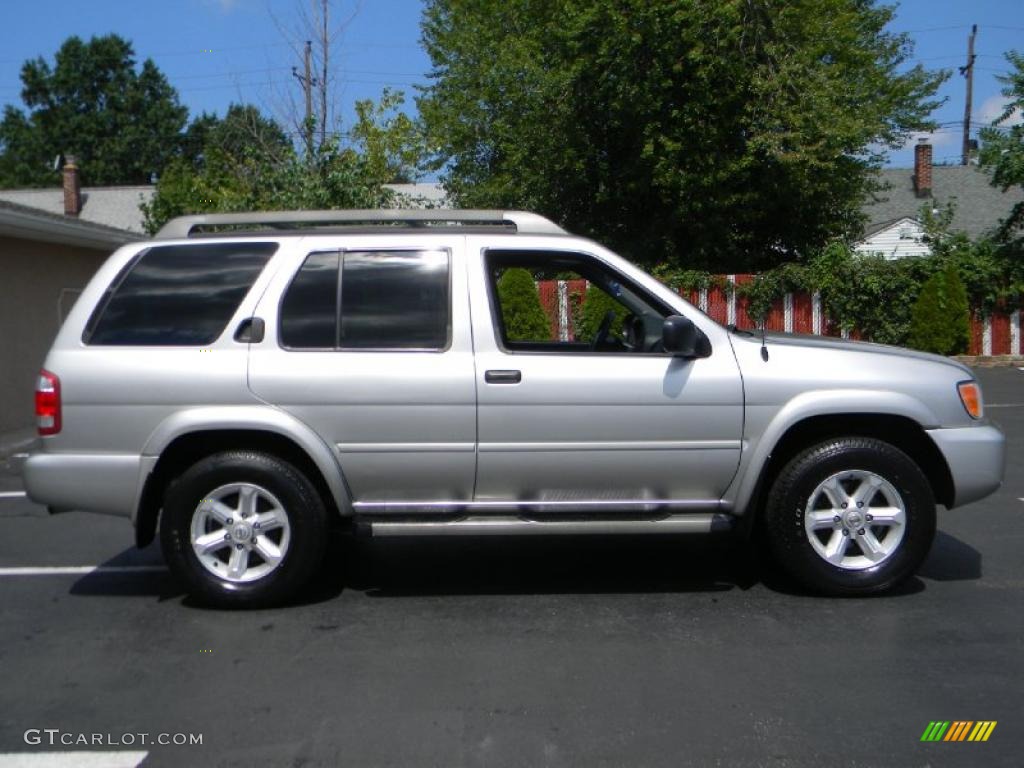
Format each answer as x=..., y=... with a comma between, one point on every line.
x=246, y=381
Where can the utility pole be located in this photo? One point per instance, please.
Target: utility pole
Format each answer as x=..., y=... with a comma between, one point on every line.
x=967, y=70
x=308, y=82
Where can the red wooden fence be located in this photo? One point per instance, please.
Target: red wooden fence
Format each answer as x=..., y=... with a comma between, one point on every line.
x=996, y=334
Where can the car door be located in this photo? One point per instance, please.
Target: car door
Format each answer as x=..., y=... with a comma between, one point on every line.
x=369, y=344
x=565, y=423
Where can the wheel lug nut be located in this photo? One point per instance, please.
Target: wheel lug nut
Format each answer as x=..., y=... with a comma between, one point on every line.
x=844, y=505
x=255, y=526
x=860, y=504
x=846, y=532
x=230, y=521
x=227, y=537
x=860, y=531
x=238, y=546
x=836, y=519
x=869, y=518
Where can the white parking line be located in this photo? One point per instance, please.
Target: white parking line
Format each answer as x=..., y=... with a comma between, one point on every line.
x=78, y=570
x=12, y=494
x=80, y=759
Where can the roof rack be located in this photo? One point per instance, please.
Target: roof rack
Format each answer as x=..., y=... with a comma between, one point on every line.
x=521, y=222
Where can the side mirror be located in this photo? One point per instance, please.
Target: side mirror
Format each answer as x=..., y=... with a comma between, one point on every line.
x=680, y=336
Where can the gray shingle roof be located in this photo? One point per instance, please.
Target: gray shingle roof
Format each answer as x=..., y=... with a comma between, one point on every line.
x=32, y=223
x=978, y=206
x=116, y=207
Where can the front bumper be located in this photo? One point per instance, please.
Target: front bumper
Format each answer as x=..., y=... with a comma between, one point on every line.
x=976, y=457
x=91, y=482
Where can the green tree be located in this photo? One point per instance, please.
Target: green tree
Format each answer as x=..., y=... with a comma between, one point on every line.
x=940, y=321
x=390, y=140
x=1002, y=151
x=596, y=305
x=246, y=164
x=243, y=125
x=714, y=133
x=122, y=124
x=521, y=311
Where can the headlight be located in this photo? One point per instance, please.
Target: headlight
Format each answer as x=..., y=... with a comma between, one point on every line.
x=970, y=396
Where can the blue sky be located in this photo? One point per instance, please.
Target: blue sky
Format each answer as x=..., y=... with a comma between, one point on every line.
x=218, y=51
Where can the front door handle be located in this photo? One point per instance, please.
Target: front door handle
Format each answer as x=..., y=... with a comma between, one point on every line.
x=503, y=377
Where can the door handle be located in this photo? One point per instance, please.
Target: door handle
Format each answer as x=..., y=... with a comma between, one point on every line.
x=503, y=377
x=250, y=330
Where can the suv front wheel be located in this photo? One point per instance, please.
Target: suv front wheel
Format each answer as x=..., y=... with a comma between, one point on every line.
x=242, y=528
x=850, y=516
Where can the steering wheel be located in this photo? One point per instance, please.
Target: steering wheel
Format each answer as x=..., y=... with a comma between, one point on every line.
x=602, y=332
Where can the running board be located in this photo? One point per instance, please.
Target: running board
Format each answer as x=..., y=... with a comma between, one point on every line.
x=506, y=526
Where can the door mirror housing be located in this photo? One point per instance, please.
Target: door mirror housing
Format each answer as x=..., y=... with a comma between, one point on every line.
x=682, y=338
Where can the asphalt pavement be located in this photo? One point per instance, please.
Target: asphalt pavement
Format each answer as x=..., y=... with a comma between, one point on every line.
x=515, y=652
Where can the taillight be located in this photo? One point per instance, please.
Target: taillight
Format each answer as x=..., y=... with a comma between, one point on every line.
x=47, y=403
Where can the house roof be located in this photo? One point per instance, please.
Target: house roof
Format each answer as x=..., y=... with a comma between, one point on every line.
x=33, y=224
x=978, y=206
x=116, y=207
x=881, y=226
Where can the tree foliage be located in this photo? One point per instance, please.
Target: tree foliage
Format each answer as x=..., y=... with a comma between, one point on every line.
x=122, y=123
x=521, y=311
x=245, y=163
x=941, y=322
x=1003, y=148
x=715, y=134
x=596, y=306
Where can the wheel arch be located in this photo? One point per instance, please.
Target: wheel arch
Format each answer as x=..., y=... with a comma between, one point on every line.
x=172, y=450
x=903, y=432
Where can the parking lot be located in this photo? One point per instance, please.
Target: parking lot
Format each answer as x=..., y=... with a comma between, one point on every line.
x=495, y=652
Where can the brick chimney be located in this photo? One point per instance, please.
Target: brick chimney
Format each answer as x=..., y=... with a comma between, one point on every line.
x=72, y=187
x=923, y=168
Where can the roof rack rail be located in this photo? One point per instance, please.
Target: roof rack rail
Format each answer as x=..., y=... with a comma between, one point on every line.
x=522, y=222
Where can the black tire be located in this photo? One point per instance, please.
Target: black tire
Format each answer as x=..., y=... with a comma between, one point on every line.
x=307, y=525
x=792, y=491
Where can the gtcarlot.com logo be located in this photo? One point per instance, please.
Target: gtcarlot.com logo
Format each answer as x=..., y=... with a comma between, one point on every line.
x=958, y=730
x=54, y=737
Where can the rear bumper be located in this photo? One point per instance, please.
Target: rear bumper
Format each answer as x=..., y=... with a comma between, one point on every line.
x=105, y=483
x=976, y=457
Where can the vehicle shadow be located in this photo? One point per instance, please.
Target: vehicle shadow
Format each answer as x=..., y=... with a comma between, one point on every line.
x=409, y=567
x=562, y=565
x=131, y=573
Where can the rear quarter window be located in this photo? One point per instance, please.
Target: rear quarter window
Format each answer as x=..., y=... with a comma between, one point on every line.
x=177, y=295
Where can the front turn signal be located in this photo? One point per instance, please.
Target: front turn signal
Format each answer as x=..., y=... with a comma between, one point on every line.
x=970, y=396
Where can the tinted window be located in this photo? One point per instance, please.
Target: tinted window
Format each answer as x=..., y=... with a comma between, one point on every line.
x=394, y=300
x=309, y=311
x=178, y=295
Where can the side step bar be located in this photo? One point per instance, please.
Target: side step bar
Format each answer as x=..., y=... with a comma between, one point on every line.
x=506, y=526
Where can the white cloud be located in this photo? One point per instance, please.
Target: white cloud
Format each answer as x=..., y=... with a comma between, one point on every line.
x=943, y=137
x=993, y=107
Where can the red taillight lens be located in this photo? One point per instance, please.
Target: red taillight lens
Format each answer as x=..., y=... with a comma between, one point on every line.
x=47, y=403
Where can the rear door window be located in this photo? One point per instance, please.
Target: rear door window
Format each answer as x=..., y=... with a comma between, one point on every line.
x=375, y=300
x=177, y=295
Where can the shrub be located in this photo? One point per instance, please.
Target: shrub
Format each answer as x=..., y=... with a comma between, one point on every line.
x=597, y=304
x=940, y=321
x=521, y=310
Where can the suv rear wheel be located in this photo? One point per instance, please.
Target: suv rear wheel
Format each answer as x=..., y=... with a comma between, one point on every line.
x=243, y=529
x=850, y=516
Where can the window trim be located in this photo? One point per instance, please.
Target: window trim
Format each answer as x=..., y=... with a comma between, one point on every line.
x=498, y=321
x=449, y=326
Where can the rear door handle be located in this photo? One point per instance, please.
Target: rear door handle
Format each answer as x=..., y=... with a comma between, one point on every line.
x=503, y=377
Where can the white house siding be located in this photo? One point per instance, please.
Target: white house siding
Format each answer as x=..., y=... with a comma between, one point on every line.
x=893, y=241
